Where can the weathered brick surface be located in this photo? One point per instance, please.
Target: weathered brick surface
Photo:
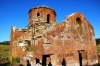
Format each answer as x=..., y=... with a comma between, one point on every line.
x=70, y=42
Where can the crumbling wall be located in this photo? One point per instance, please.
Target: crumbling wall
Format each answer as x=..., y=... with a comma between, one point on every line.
x=66, y=41
x=16, y=38
x=71, y=42
x=40, y=14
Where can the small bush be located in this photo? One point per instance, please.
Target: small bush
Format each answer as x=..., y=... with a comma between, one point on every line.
x=17, y=60
x=29, y=48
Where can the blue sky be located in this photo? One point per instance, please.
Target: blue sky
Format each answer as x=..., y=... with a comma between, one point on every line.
x=15, y=12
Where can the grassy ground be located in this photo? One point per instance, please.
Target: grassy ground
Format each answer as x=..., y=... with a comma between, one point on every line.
x=4, y=53
x=98, y=51
x=4, y=50
x=98, y=48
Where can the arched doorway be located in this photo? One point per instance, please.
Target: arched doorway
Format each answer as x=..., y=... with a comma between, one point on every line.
x=82, y=57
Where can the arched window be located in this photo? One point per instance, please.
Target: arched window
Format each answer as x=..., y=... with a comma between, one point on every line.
x=48, y=18
x=79, y=25
x=38, y=14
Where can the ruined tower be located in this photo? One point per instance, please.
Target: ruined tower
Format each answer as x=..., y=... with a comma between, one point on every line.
x=41, y=15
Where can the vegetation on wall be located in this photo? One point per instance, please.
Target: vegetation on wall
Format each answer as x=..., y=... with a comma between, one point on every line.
x=20, y=41
x=29, y=47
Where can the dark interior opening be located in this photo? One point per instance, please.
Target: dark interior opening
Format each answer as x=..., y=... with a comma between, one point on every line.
x=27, y=41
x=63, y=62
x=49, y=64
x=37, y=61
x=28, y=63
x=80, y=59
x=78, y=19
x=38, y=14
x=68, y=36
x=48, y=18
x=44, y=59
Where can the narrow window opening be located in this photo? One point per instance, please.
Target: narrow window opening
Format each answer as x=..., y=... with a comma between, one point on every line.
x=78, y=20
x=79, y=24
x=48, y=18
x=38, y=14
x=68, y=37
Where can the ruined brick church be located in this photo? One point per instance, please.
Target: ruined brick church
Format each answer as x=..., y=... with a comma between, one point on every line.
x=44, y=42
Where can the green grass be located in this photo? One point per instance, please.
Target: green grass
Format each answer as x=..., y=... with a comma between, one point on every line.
x=98, y=44
x=4, y=50
x=98, y=48
x=4, y=54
